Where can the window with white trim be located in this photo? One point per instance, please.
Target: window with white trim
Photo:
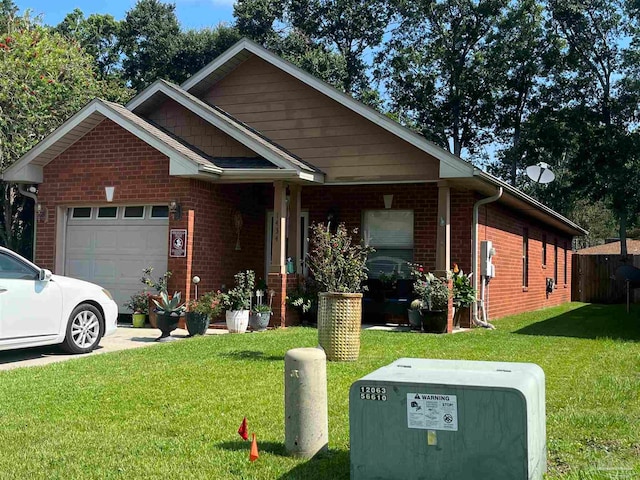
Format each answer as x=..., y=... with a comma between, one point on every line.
x=390, y=232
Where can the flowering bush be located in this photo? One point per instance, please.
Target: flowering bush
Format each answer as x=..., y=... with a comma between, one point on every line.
x=337, y=264
x=208, y=304
x=138, y=303
x=433, y=291
x=463, y=293
x=239, y=297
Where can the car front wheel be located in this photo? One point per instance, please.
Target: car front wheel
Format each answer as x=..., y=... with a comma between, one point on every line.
x=84, y=329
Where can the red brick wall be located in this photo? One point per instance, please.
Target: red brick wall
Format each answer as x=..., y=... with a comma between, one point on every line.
x=348, y=202
x=109, y=155
x=506, y=293
x=216, y=259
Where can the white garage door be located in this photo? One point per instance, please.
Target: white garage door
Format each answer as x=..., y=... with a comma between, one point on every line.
x=111, y=245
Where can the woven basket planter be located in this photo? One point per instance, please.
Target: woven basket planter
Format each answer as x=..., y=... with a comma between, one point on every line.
x=339, y=318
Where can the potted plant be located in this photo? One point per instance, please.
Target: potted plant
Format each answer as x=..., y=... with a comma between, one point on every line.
x=463, y=294
x=305, y=299
x=168, y=311
x=139, y=306
x=339, y=268
x=237, y=301
x=435, y=296
x=200, y=311
x=159, y=286
x=260, y=317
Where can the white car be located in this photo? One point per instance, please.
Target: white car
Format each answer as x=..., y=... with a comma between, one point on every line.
x=39, y=308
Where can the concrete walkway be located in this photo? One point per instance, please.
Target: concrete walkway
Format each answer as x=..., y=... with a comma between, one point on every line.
x=126, y=337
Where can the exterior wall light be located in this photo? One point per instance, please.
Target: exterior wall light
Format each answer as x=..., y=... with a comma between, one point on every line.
x=108, y=191
x=176, y=209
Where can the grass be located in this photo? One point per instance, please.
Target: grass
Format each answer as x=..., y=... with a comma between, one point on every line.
x=172, y=411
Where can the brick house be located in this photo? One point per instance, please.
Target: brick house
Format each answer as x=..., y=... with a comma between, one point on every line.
x=236, y=163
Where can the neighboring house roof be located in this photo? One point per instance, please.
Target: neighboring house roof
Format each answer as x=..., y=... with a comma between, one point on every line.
x=613, y=248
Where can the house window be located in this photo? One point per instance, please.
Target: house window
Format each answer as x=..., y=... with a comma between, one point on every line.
x=82, y=212
x=525, y=257
x=107, y=212
x=544, y=250
x=134, y=212
x=565, y=262
x=555, y=262
x=390, y=232
x=160, y=211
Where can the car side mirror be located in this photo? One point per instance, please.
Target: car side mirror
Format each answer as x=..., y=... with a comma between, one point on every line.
x=44, y=275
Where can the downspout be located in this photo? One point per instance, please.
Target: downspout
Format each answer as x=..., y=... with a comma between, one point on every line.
x=474, y=253
x=33, y=196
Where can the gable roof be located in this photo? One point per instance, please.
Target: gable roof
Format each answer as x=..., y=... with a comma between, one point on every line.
x=451, y=166
x=182, y=160
x=229, y=125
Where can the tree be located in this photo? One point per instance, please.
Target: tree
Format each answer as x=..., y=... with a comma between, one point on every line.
x=44, y=79
x=350, y=27
x=525, y=52
x=329, y=38
x=437, y=74
x=149, y=40
x=196, y=48
x=603, y=107
x=97, y=34
x=8, y=10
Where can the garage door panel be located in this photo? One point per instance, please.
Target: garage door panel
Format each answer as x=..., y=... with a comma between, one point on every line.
x=113, y=254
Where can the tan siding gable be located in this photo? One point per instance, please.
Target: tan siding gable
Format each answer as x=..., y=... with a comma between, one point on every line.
x=194, y=130
x=343, y=144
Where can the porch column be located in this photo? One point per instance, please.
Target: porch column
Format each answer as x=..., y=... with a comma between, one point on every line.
x=277, y=279
x=443, y=239
x=278, y=242
x=294, y=226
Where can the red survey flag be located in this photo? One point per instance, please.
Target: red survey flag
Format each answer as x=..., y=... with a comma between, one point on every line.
x=253, y=455
x=243, y=431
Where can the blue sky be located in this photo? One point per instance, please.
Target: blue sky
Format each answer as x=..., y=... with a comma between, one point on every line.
x=191, y=13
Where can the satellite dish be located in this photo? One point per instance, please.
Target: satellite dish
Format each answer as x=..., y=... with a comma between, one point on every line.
x=540, y=173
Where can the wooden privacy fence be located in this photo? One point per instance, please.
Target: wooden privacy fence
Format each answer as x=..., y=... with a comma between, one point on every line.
x=594, y=279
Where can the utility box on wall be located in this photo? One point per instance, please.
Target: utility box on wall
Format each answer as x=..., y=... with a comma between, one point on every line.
x=448, y=419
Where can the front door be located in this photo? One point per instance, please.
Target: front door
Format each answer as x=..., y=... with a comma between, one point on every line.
x=29, y=307
x=304, y=247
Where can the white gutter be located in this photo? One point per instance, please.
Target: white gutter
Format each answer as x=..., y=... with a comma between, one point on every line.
x=35, y=216
x=474, y=251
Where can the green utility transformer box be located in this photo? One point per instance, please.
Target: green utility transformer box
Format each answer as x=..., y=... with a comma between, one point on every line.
x=448, y=419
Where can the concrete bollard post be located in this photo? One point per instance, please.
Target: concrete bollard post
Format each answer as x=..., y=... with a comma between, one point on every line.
x=306, y=426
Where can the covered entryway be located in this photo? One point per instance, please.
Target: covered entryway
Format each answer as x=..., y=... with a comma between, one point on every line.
x=111, y=245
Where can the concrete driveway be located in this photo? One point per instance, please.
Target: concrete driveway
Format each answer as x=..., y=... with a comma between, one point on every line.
x=126, y=337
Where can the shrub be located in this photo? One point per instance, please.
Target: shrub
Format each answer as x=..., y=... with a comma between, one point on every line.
x=337, y=264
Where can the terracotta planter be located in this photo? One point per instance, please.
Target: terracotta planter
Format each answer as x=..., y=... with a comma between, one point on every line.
x=435, y=321
x=339, y=320
x=259, y=321
x=237, y=320
x=138, y=320
x=197, y=323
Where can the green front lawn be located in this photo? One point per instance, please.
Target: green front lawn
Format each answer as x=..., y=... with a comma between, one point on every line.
x=172, y=411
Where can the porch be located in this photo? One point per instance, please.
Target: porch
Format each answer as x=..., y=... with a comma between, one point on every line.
x=260, y=226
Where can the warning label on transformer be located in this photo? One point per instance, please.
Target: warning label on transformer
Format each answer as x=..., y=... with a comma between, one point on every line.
x=431, y=411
